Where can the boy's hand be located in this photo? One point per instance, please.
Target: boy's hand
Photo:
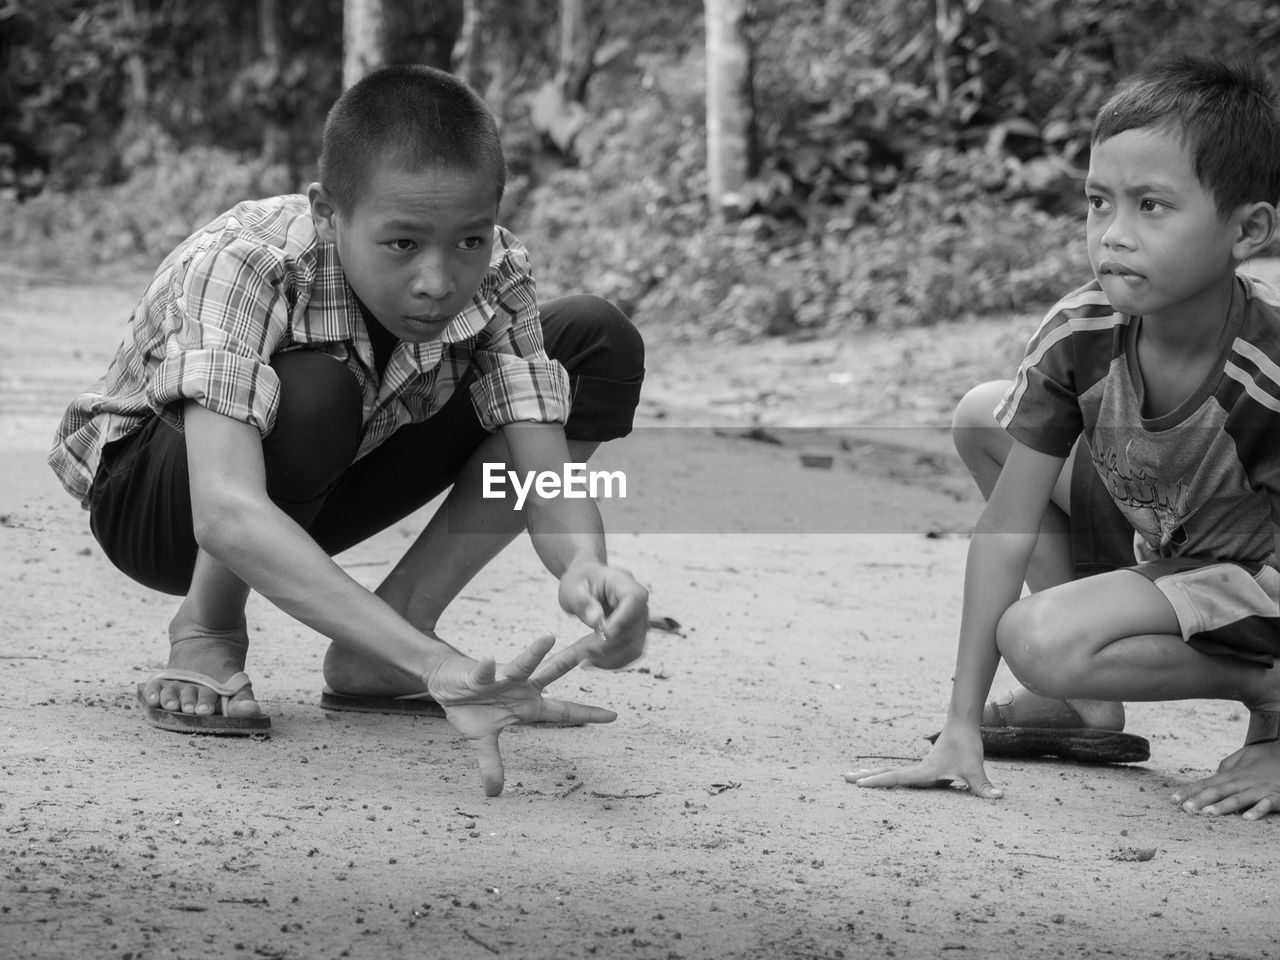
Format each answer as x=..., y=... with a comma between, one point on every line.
x=1248, y=781
x=612, y=603
x=956, y=756
x=482, y=698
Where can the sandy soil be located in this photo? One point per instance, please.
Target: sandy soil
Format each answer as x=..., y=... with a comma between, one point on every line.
x=710, y=820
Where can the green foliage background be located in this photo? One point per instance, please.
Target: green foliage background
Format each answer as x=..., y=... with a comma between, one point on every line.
x=910, y=170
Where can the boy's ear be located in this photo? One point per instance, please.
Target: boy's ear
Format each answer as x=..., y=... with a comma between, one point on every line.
x=323, y=213
x=1258, y=223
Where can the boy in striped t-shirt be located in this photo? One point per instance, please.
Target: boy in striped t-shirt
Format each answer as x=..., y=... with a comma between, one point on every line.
x=1158, y=383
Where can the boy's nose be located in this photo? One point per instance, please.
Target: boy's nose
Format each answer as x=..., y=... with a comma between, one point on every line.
x=1116, y=236
x=433, y=280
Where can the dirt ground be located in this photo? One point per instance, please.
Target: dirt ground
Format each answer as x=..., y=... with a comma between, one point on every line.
x=710, y=820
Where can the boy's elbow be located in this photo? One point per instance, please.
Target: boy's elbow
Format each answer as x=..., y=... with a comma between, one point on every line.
x=221, y=523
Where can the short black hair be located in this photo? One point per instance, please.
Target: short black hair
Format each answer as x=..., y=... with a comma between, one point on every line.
x=413, y=117
x=1226, y=114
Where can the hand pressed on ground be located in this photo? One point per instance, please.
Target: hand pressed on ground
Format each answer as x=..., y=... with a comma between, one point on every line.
x=1247, y=782
x=482, y=698
x=957, y=756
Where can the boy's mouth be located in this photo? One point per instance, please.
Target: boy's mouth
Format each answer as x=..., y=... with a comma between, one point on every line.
x=1112, y=268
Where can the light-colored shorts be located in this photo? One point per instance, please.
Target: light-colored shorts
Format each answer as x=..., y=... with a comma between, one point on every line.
x=1222, y=608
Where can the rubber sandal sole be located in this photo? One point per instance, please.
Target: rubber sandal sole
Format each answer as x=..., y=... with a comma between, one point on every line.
x=342, y=703
x=1081, y=745
x=209, y=724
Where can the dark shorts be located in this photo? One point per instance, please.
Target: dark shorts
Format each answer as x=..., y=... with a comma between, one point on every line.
x=140, y=506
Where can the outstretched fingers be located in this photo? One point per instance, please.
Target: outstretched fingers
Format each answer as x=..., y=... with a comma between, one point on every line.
x=1255, y=800
x=920, y=777
x=891, y=777
x=527, y=661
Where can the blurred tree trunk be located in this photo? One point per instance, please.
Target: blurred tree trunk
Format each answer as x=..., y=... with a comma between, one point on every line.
x=137, y=95
x=556, y=109
x=364, y=39
x=730, y=106
x=468, y=50
x=581, y=31
x=948, y=21
x=274, y=136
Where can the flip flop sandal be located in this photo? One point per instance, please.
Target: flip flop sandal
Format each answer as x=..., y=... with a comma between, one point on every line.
x=1067, y=738
x=409, y=705
x=218, y=724
x=413, y=704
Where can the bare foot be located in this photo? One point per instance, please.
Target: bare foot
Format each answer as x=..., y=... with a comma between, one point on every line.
x=361, y=676
x=1100, y=714
x=216, y=653
x=1022, y=708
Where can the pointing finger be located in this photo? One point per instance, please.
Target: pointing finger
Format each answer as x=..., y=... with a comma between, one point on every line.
x=570, y=712
x=564, y=661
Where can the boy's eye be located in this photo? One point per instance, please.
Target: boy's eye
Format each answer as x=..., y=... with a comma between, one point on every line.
x=1096, y=202
x=471, y=243
x=1147, y=205
x=402, y=245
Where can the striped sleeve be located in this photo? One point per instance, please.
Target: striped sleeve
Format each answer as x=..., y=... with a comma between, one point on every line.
x=1041, y=408
x=227, y=315
x=518, y=381
x=1252, y=397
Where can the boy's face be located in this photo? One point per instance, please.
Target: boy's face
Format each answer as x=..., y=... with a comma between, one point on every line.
x=415, y=245
x=1156, y=242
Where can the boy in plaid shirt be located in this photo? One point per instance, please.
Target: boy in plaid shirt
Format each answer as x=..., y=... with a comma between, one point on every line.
x=305, y=371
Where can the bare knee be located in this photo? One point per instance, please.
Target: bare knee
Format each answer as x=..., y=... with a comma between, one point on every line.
x=979, y=439
x=975, y=414
x=1042, y=647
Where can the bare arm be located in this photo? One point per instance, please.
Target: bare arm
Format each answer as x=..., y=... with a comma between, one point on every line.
x=1001, y=548
x=569, y=538
x=564, y=530
x=236, y=522
x=999, y=552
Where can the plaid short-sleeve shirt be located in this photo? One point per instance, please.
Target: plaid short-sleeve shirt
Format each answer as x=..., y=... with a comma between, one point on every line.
x=257, y=281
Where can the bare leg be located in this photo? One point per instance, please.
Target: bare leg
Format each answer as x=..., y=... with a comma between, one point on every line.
x=1114, y=636
x=461, y=538
x=207, y=635
x=984, y=447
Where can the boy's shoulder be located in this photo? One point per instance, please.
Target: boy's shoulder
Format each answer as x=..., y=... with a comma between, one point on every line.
x=279, y=229
x=1085, y=312
x=1264, y=297
x=508, y=249
x=283, y=223
x=1258, y=339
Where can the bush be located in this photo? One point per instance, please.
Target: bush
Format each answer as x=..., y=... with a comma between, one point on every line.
x=962, y=233
x=168, y=195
